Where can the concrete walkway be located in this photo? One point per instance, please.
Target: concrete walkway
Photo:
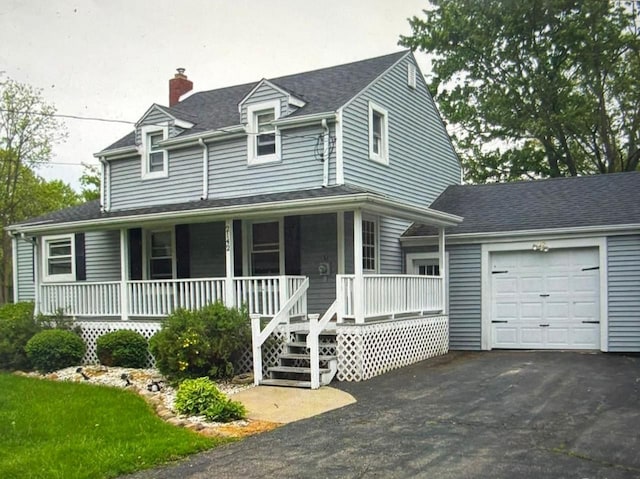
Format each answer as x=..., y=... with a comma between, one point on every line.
x=525, y=415
x=285, y=405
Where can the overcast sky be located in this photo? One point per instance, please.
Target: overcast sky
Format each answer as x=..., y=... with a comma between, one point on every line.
x=113, y=58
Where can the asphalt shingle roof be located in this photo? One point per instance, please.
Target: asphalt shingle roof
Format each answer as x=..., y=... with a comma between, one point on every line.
x=91, y=209
x=599, y=200
x=323, y=90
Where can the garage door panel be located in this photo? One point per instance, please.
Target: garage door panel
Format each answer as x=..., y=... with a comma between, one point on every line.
x=545, y=297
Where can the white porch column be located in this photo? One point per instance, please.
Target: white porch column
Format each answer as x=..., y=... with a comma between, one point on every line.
x=124, y=274
x=37, y=269
x=14, y=268
x=229, y=295
x=341, y=245
x=442, y=261
x=358, y=282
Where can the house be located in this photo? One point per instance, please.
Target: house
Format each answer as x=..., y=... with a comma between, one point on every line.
x=548, y=264
x=288, y=195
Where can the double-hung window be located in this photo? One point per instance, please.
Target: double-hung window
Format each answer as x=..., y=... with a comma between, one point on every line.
x=378, y=134
x=369, y=245
x=265, y=248
x=160, y=254
x=59, y=258
x=263, y=142
x=154, y=158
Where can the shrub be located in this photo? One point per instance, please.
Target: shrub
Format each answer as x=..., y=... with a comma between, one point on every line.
x=17, y=326
x=201, y=397
x=123, y=348
x=55, y=349
x=206, y=342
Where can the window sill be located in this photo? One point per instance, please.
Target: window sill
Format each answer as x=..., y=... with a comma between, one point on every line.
x=263, y=160
x=379, y=159
x=155, y=175
x=59, y=278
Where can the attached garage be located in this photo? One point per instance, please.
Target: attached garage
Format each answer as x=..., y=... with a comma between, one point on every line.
x=545, y=299
x=545, y=264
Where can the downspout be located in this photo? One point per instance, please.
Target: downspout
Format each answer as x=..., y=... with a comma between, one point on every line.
x=205, y=169
x=325, y=153
x=105, y=184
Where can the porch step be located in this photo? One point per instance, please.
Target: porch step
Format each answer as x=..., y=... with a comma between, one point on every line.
x=290, y=383
x=294, y=369
x=304, y=356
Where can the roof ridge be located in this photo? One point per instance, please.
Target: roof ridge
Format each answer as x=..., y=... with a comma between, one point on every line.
x=544, y=180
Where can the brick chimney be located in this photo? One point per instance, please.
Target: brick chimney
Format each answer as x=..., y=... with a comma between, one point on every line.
x=178, y=86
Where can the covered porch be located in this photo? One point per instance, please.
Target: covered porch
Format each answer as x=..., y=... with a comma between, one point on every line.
x=308, y=265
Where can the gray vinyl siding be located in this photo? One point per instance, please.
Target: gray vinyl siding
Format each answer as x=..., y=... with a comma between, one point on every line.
x=184, y=183
x=207, y=243
x=26, y=286
x=465, y=297
x=623, y=278
x=102, y=253
x=390, y=251
x=422, y=162
x=348, y=243
x=264, y=93
x=319, y=244
x=299, y=167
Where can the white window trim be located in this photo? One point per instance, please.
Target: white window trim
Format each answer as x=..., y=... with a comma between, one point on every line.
x=146, y=253
x=376, y=222
x=411, y=75
x=252, y=130
x=58, y=278
x=247, y=244
x=383, y=156
x=145, y=131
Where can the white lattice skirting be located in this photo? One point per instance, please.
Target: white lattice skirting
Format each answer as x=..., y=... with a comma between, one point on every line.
x=92, y=330
x=368, y=350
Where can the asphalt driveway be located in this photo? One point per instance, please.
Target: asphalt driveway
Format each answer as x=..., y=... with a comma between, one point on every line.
x=493, y=414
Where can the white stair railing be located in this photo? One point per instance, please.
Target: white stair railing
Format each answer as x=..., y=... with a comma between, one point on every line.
x=315, y=329
x=259, y=336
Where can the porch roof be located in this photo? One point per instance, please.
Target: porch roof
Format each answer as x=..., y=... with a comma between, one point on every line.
x=89, y=216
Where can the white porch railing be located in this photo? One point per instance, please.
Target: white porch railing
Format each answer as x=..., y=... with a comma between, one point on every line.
x=147, y=299
x=389, y=295
x=81, y=299
x=162, y=297
x=265, y=295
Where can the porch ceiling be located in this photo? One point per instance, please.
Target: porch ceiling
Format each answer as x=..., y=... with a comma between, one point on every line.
x=312, y=201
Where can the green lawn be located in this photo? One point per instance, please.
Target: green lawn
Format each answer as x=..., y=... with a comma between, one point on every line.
x=61, y=430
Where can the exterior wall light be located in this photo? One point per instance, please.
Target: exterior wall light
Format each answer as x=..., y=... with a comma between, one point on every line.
x=541, y=246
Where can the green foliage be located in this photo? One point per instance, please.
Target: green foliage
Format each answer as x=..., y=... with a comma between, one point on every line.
x=90, y=183
x=55, y=349
x=206, y=342
x=201, y=397
x=124, y=348
x=531, y=89
x=59, y=429
x=17, y=326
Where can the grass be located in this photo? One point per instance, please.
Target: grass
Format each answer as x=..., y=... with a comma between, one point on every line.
x=61, y=430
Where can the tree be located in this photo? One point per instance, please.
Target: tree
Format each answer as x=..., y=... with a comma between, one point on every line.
x=531, y=89
x=28, y=131
x=90, y=183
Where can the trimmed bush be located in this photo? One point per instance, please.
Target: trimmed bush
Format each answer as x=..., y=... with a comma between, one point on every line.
x=206, y=342
x=201, y=397
x=17, y=326
x=55, y=349
x=124, y=348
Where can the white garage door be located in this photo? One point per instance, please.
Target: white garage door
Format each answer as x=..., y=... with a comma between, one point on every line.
x=545, y=300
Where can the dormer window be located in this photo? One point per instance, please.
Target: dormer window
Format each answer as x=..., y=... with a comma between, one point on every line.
x=263, y=142
x=378, y=134
x=154, y=158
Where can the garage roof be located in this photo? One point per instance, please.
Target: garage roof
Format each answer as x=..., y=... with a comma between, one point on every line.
x=562, y=203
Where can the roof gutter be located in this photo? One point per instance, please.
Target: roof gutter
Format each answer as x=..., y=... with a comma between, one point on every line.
x=510, y=235
x=372, y=203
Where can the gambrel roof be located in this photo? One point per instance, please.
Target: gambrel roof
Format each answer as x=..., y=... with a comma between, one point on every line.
x=323, y=90
x=559, y=203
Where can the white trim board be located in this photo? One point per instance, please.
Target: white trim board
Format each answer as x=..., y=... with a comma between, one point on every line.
x=488, y=248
